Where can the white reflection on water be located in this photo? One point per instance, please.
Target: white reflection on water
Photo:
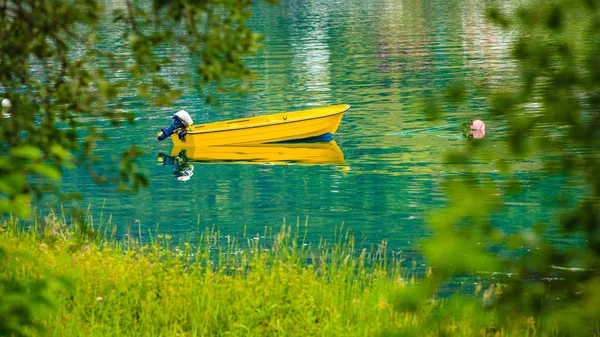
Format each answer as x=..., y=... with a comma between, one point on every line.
x=309, y=42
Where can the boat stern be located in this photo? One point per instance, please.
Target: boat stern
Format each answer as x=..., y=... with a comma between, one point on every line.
x=181, y=121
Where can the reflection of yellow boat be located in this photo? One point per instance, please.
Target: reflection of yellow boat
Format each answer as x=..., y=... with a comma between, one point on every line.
x=302, y=153
x=260, y=129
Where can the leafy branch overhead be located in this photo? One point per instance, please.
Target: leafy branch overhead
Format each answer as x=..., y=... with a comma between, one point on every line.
x=58, y=71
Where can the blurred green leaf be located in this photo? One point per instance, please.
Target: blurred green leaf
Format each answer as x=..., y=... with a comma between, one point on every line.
x=60, y=152
x=29, y=152
x=456, y=93
x=410, y=298
x=47, y=170
x=555, y=18
x=497, y=17
x=431, y=108
x=455, y=255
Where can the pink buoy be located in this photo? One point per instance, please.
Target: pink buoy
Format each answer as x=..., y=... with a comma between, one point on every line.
x=477, y=134
x=478, y=125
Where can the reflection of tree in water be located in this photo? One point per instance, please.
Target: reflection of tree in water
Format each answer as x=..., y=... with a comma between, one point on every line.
x=486, y=47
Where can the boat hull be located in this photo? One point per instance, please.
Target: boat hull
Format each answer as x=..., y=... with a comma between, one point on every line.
x=273, y=128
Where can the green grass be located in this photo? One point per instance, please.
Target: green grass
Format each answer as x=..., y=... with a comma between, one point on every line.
x=272, y=285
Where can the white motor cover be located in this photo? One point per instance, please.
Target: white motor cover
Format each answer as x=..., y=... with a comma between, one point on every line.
x=185, y=116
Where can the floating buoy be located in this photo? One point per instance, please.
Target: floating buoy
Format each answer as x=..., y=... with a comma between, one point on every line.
x=6, y=103
x=478, y=125
x=478, y=133
x=477, y=129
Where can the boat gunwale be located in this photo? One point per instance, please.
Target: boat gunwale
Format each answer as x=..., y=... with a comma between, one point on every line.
x=265, y=124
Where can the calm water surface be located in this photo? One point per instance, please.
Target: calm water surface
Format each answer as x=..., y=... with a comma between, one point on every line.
x=382, y=57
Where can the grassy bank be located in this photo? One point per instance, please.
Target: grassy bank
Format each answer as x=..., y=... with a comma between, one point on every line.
x=75, y=282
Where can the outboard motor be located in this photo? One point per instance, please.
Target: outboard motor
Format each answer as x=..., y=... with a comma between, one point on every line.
x=181, y=120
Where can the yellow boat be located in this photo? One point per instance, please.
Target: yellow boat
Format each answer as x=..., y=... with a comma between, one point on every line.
x=280, y=127
x=282, y=153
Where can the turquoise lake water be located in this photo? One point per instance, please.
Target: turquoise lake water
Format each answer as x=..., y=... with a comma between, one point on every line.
x=383, y=57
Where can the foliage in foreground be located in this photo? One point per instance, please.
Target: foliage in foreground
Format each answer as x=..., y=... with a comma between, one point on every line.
x=58, y=71
x=552, y=118
x=274, y=285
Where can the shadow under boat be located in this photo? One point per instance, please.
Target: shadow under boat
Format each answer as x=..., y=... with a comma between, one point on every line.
x=306, y=153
